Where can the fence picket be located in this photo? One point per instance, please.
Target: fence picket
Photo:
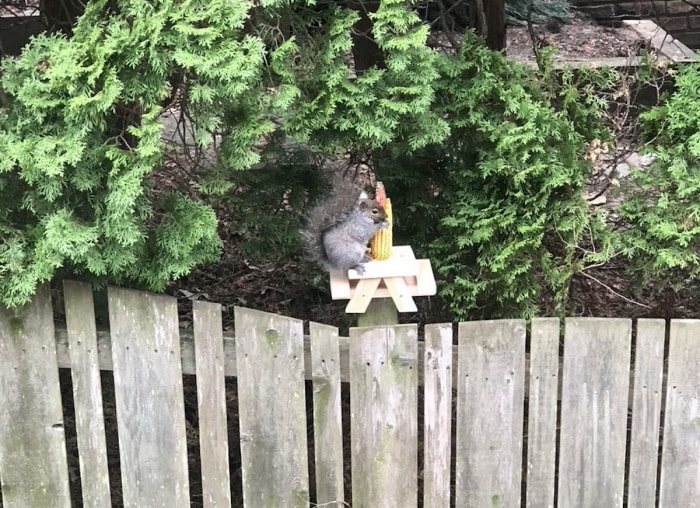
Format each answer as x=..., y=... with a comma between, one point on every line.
x=437, y=420
x=646, y=412
x=148, y=355
x=271, y=407
x=680, y=458
x=595, y=400
x=491, y=377
x=383, y=424
x=149, y=399
x=211, y=403
x=33, y=464
x=542, y=412
x=87, y=393
x=328, y=421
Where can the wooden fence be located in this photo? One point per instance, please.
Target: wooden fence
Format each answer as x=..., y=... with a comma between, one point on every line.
x=508, y=417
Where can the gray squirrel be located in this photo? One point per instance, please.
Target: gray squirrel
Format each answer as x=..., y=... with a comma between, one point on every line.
x=339, y=228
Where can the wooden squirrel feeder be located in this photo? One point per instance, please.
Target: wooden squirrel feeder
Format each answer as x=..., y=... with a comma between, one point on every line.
x=401, y=277
x=393, y=273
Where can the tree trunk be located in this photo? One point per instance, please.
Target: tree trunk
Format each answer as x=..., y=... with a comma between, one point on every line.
x=365, y=50
x=491, y=22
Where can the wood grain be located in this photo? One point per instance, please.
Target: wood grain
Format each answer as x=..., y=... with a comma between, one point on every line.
x=542, y=412
x=383, y=425
x=680, y=458
x=149, y=399
x=646, y=412
x=595, y=392
x=272, y=411
x=33, y=466
x=87, y=393
x=211, y=403
x=328, y=419
x=437, y=419
x=491, y=391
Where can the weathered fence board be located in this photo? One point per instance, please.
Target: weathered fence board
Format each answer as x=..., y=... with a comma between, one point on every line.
x=328, y=418
x=149, y=399
x=604, y=421
x=437, y=420
x=33, y=466
x=680, y=458
x=542, y=412
x=87, y=393
x=595, y=392
x=271, y=395
x=646, y=411
x=383, y=424
x=491, y=386
x=211, y=403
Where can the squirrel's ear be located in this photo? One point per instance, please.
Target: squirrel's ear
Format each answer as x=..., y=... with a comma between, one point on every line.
x=363, y=205
x=363, y=195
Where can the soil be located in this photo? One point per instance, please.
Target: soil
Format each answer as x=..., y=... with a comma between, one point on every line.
x=577, y=40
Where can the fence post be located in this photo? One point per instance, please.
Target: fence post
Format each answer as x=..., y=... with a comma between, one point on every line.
x=211, y=403
x=437, y=420
x=646, y=413
x=381, y=311
x=328, y=418
x=542, y=412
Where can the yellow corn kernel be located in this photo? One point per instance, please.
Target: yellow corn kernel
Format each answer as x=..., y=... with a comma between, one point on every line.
x=380, y=245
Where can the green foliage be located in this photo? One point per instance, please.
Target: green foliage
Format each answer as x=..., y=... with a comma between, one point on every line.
x=482, y=157
x=581, y=94
x=324, y=107
x=498, y=204
x=81, y=138
x=333, y=110
x=661, y=215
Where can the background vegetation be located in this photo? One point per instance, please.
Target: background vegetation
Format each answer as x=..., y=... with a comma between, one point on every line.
x=137, y=137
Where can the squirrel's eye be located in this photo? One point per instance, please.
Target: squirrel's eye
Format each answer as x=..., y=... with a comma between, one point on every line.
x=375, y=211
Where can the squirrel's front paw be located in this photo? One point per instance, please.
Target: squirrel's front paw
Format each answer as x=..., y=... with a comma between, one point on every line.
x=366, y=258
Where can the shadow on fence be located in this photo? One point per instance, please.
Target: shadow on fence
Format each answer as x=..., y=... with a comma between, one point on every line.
x=507, y=418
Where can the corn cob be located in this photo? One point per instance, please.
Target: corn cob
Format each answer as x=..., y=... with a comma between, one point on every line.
x=380, y=245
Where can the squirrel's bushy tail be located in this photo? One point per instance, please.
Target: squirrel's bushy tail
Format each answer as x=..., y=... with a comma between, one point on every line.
x=329, y=212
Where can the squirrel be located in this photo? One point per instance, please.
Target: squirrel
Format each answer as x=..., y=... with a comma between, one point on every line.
x=339, y=228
